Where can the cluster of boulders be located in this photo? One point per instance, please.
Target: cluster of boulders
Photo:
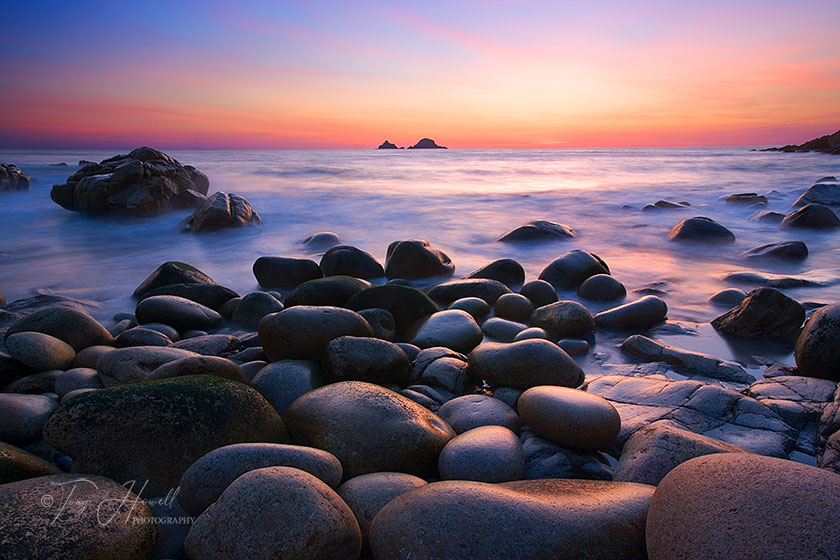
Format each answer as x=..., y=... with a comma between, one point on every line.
x=329, y=416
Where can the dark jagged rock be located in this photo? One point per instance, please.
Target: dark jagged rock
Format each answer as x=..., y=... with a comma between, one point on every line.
x=764, y=313
x=701, y=230
x=538, y=230
x=387, y=146
x=812, y=216
x=12, y=178
x=828, y=144
x=221, y=210
x=146, y=182
x=426, y=143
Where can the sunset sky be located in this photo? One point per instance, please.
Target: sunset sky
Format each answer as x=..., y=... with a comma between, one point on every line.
x=468, y=74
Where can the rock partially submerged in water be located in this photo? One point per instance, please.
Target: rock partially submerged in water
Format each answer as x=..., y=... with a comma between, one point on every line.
x=171, y=272
x=747, y=198
x=538, y=230
x=764, y=313
x=812, y=216
x=571, y=269
x=416, y=259
x=426, y=143
x=12, y=178
x=701, y=230
x=665, y=205
x=221, y=210
x=146, y=182
x=826, y=191
x=828, y=144
x=386, y=145
x=818, y=346
x=785, y=250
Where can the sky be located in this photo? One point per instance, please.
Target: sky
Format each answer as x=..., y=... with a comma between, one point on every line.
x=338, y=74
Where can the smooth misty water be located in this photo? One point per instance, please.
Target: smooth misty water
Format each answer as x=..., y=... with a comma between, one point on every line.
x=459, y=200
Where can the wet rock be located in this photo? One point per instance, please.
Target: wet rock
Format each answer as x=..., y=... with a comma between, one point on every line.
x=502, y=330
x=210, y=295
x=473, y=411
x=416, y=259
x=171, y=272
x=538, y=230
x=219, y=211
x=830, y=459
x=345, y=260
x=823, y=192
x=350, y=358
x=747, y=198
x=139, y=336
x=784, y=250
x=146, y=182
x=406, y=304
x=321, y=241
x=77, y=378
x=817, y=350
x=210, y=344
x=684, y=361
x=35, y=384
x=89, y=357
x=528, y=519
x=22, y=417
x=451, y=328
x=767, y=217
x=11, y=369
x=259, y=516
x=808, y=280
x=574, y=347
x=764, y=313
x=153, y=431
x=539, y=292
x=381, y=322
x=657, y=449
x=563, y=319
x=488, y=290
x=76, y=328
x=812, y=216
x=569, y=417
x=40, y=351
x=17, y=464
x=637, y=315
x=199, y=365
x=338, y=418
x=484, y=454
x=167, y=330
x=524, y=364
x=282, y=272
x=477, y=307
x=178, y=312
x=130, y=365
x=334, y=291
x=800, y=401
x=369, y=493
x=545, y=459
x=696, y=507
x=666, y=205
x=74, y=516
x=515, y=307
x=529, y=333
x=507, y=271
x=206, y=479
x=283, y=381
x=442, y=368
x=570, y=270
x=701, y=230
x=602, y=287
x=302, y=332
x=730, y=297
x=255, y=306
x=12, y=178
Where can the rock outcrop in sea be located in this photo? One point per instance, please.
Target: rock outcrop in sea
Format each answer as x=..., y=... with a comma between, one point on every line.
x=426, y=143
x=386, y=145
x=12, y=178
x=146, y=182
x=219, y=211
x=828, y=144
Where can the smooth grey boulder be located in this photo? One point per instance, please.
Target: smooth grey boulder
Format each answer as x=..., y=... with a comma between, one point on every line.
x=74, y=516
x=764, y=313
x=823, y=192
x=210, y=344
x=283, y=272
x=178, y=312
x=333, y=291
x=416, y=259
x=638, y=315
x=523, y=520
x=535, y=332
x=477, y=307
x=130, y=365
x=207, y=478
x=382, y=323
x=77, y=378
x=453, y=290
x=524, y=364
x=303, y=331
x=213, y=296
x=17, y=464
x=507, y=271
x=369, y=428
x=219, y=211
x=514, y=307
x=574, y=347
x=483, y=454
x=140, y=336
x=501, y=330
x=730, y=297
x=817, y=349
x=199, y=365
x=283, y=381
x=655, y=450
x=22, y=417
x=260, y=516
x=539, y=292
x=351, y=358
x=441, y=368
x=812, y=216
x=684, y=361
x=146, y=182
x=701, y=230
x=538, y=230
x=568, y=271
x=171, y=272
x=716, y=507
x=602, y=287
x=563, y=319
x=473, y=411
x=405, y=303
x=452, y=328
x=40, y=351
x=75, y=327
x=783, y=250
x=345, y=260
x=255, y=306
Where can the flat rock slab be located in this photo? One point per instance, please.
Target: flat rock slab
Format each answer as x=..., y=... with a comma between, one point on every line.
x=558, y=519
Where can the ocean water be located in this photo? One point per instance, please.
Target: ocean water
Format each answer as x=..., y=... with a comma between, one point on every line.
x=460, y=201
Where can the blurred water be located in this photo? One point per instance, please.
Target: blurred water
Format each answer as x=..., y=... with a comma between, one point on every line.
x=459, y=200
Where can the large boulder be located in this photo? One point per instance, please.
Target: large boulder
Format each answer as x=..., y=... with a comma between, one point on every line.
x=523, y=520
x=563, y=319
x=570, y=270
x=764, y=313
x=538, y=230
x=638, y=315
x=279, y=513
x=817, y=349
x=283, y=381
x=332, y=290
x=151, y=432
x=524, y=364
x=701, y=230
x=783, y=250
x=75, y=327
x=824, y=192
x=219, y=211
x=416, y=259
x=405, y=303
x=169, y=273
x=22, y=417
x=74, y=516
x=146, y=182
x=283, y=272
x=345, y=260
x=40, y=351
x=483, y=454
x=716, y=507
x=507, y=271
x=12, y=178
x=812, y=216
x=213, y=296
x=452, y=328
x=368, y=428
x=351, y=358
x=176, y=312
x=303, y=331
x=17, y=464
x=483, y=288
x=130, y=365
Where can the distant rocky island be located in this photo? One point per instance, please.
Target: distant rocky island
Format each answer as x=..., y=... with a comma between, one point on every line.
x=423, y=144
x=828, y=144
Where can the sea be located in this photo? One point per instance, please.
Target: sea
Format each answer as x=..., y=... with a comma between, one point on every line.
x=461, y=201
